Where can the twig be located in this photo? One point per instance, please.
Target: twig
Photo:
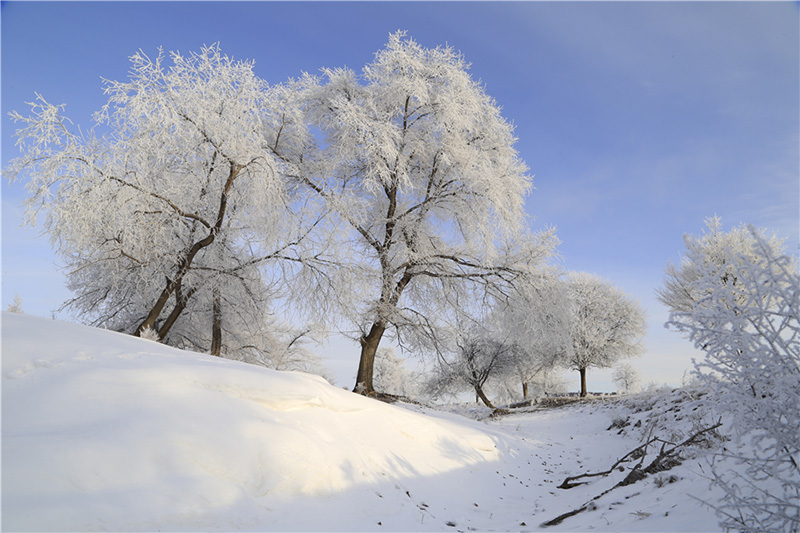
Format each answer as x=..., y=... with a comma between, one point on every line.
x=665, y=460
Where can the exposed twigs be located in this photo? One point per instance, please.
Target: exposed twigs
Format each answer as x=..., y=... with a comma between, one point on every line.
x=667, y=458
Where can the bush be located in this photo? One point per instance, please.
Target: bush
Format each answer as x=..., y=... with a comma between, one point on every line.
x=745, y=316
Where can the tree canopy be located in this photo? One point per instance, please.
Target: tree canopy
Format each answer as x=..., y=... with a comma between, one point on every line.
x=418, y=170
x=737, y=299
x=176, y=209
x=390, y=200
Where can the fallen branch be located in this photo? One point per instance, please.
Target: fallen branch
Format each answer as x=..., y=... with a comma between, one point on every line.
x=666, y=459
x=635, y=453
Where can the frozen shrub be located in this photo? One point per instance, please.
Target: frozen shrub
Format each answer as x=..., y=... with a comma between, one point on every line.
x=743, y=312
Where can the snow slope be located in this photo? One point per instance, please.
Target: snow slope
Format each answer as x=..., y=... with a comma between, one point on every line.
x=103, y=431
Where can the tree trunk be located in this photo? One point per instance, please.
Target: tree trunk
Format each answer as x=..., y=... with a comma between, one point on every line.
x=216, y=325
x=186, y=262
x=366, y=365
x=150, y=320
x=181, y=300
x=482, y=396
x=583, y=382
x=524, y=389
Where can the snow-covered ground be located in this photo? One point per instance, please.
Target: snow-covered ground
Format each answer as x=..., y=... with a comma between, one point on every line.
x=103, y=431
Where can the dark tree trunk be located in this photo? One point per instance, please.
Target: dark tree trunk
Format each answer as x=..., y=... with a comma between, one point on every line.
x=366, y=365
x=482, y=396
x=524, y=389
x=583, y=382
x=216, y=325
x=186, y=263
x=150, y=320
x=181, y=300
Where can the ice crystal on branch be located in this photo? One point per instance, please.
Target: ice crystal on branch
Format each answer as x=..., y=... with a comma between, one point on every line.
x=169, y=221
x=737, y=297
x=418, y=170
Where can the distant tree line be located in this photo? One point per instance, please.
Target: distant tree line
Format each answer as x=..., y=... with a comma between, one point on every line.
x=578, y=321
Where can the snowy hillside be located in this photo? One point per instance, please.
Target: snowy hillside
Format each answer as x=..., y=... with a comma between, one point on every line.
x=103, y=431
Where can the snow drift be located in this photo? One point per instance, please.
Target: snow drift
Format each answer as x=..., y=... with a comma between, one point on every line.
x=103, y=430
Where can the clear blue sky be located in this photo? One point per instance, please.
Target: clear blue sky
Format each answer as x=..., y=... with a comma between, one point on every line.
x=638, y=120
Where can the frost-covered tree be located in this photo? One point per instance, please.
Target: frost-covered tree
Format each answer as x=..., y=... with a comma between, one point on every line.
x=16, y=305
x=745, y=315
x=477, y=359
x=281, y=346
x=606, y=324
x=536, y=318
x=626, y=377
x=392, y=376
x=418, y=168
x=723, y=251
x=177, y=207
x=547, y=382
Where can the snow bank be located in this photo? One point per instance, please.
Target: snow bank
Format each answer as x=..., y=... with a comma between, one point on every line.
x=103, y=431
x=106, y=431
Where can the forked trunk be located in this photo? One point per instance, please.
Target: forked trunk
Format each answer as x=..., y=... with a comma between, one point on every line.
x=366, y=366
x=185, y=264
x=181, y=300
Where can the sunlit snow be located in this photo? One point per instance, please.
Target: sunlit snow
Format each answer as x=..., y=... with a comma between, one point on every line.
x=103, y=431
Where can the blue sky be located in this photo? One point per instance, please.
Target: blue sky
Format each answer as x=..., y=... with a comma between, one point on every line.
x=638, y=120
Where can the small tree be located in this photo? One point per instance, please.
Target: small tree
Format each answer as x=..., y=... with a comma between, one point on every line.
x=626, y=377
x=715, y=250
x=606, y=324
x=548, y=382
x=477, y=360
x=745, y=315
x=16, y=305
x=279, y=345
x=392, y=376
x=536, y=318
